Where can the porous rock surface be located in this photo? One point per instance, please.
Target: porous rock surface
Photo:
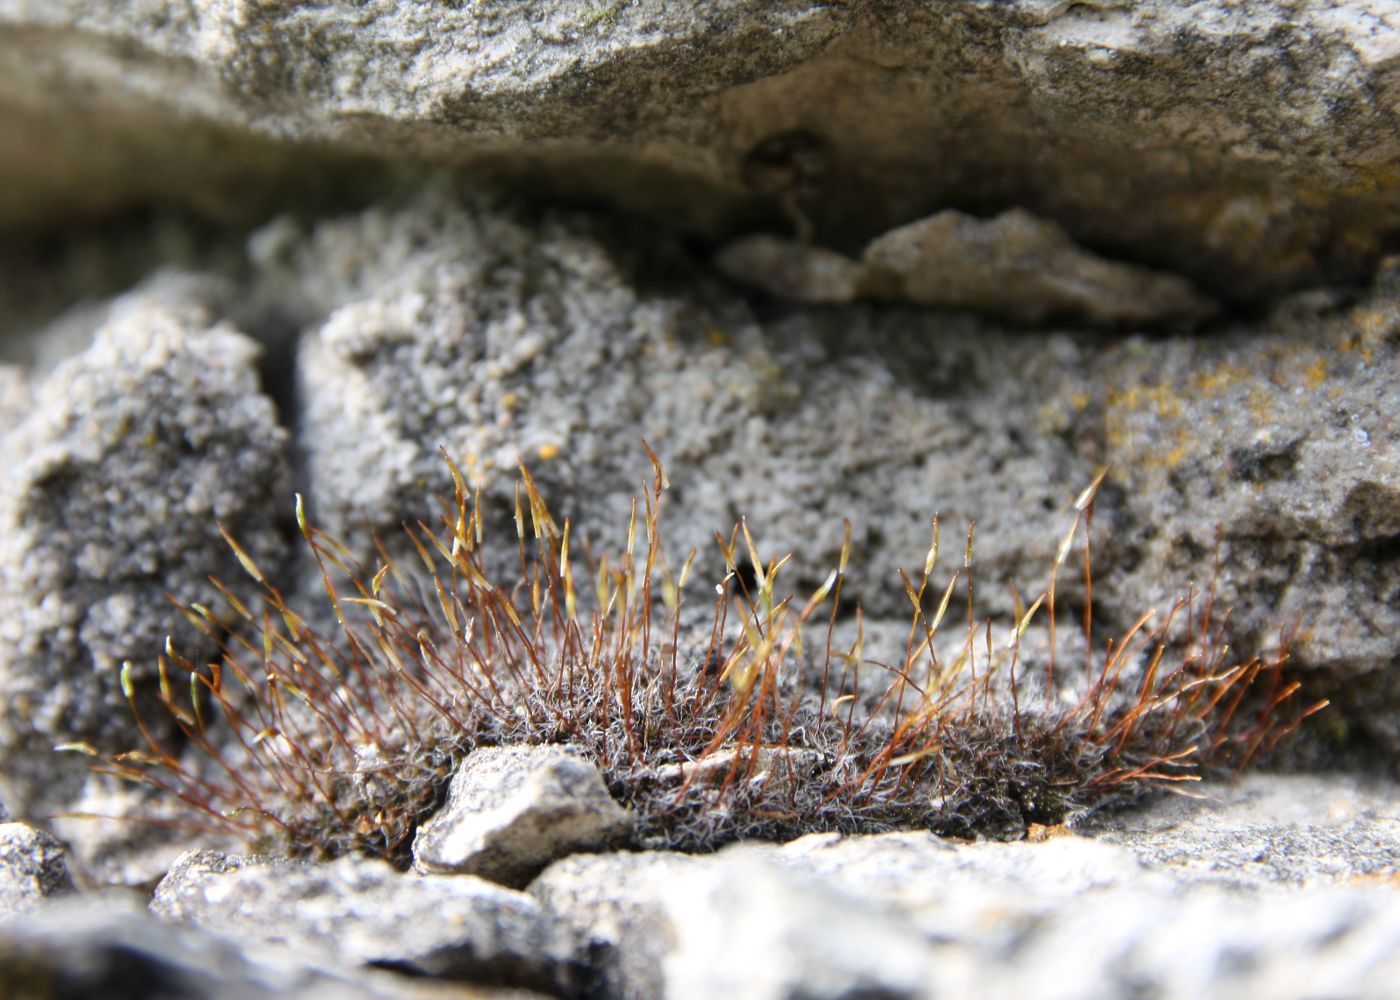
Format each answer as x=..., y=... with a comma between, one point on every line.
x=512, y=810
x=357, y=912
x=32, y=867
x=129, y=458
x=1250, y=146
x=1150, y=904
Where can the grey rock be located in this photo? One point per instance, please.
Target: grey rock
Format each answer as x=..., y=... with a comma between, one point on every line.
x=747, y=928
x=1014, y=266
x=1269, y=830
x=612, y=902
x=1158, y=900
x=131, y=457
x=357, y=912
x=1023, y=268
x=103, y=948
x=510, y=811
x=32, y=868
x=1250, y=148
x=1279, y=444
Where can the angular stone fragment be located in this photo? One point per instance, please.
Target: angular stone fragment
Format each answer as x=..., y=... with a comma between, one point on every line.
x=32, y=868
x=1023, y=268
x=132, y=456
x=357, y=912
x=512, y=810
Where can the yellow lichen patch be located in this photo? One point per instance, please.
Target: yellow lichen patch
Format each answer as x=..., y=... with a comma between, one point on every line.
x=548, y=451
x=1221, y=377
x=1316, y=374
x=1261, y=405
x=1162, y=399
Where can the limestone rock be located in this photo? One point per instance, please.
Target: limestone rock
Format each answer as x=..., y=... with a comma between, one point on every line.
x=131, y=457
x=456, y=325
x=1269, y=831
x=1276, y=447
x=747, y=928
x=102, y=948
x=32, y=868
x=512, y=810
x=1250, y=148
x=1023, y=268
x=356, y=912
x=1161, y=898
x=612, y=902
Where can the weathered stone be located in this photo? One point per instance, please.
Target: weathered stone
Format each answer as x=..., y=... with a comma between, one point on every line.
x=1251, y=148
x=1022, y=268
x=1159, y=898
x=1275, y=449
x=512, y=810
x=32, y=868
x=133, y=455
x=1269, y=830
x=747, y=928
x=457, y=326
x=356, y=912
x=101, y=948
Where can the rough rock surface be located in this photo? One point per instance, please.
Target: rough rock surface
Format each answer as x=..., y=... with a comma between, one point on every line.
x=1249, y=146
x=130, y=458
x=102, y=948
x=1282, y=444
x=512, y=810
x=1170, y=908
x=355, y=912
x=32, y=868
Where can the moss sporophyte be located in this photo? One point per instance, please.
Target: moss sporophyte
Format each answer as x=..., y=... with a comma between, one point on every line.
x=752, y=720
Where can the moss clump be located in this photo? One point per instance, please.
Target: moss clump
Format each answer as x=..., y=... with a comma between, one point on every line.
x=751, y=721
